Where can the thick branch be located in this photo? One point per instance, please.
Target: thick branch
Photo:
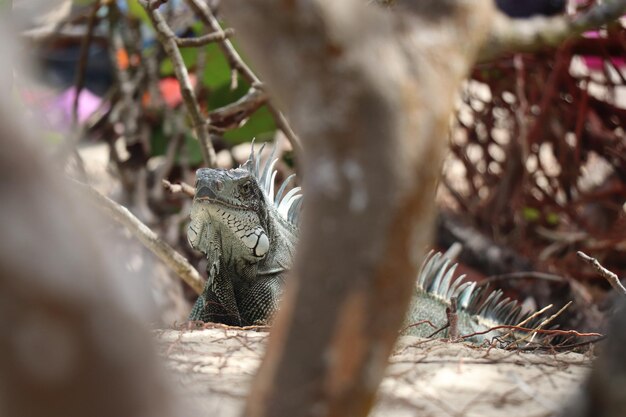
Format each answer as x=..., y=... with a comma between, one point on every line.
x=151, y=240
x=374, y=139
x=521, y=35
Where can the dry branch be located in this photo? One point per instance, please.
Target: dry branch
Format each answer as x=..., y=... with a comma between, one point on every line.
x=82, y=60
x=168, y=40
x=611, y=277
x=232, y=115
x=238, y=65
x=182, y=188
x=204, y=39
x=151, y=240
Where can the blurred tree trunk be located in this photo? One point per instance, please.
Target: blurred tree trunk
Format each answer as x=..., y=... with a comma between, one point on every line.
x=603, y=393
x=370, y=91
x=69, y=345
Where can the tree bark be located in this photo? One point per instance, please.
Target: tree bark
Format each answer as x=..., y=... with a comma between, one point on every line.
x=69, y=345
x=370, y=91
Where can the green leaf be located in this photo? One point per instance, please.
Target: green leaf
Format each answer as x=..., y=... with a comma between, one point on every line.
x=552, y=219
x=531, y=214
x=136, y=10
x=217, y=71
x=260, y=126
x=83, y=2
x=189, y=58
x=191, y=148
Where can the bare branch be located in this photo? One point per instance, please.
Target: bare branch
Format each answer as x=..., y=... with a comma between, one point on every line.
x=611, y=277
x=530, y=331
x=232, y=56
x=168, y=40
x=520, y=35
x=237, y=64
x=83, y=58
x=162, y=250
x=181, y=188
x=204, y=39
x=232, y=115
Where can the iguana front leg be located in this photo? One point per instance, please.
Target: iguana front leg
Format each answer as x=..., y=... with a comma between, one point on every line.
x=260, y=302
x=217, y=303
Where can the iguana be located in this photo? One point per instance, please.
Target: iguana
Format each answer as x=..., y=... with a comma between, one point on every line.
x=249, y=236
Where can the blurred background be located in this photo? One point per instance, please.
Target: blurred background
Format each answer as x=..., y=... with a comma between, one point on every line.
x=536, y=168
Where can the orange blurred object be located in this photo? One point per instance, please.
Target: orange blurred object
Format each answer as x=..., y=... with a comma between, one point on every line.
x=122, y=59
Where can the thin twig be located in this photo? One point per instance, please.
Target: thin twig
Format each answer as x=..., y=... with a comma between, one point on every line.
x=155, y=4
x=181, y=188
x=204, y=39
x=541, y=325
x=236, y=63
x=419, y=323
x=82, y=60
x=611, y=277
x=283, y=125
x=168, y=40
x=552, y=332
x=531, y=317
x=162, y=250
x=234, y=60
x=520, y=275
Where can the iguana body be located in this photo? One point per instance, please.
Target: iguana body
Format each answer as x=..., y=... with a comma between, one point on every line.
x=249, y=237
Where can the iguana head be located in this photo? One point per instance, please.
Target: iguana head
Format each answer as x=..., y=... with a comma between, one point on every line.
x=229, y=205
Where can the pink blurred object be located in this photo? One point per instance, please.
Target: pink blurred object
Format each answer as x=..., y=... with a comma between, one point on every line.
x=596, y=62
x=88, y=103
x=56, y=108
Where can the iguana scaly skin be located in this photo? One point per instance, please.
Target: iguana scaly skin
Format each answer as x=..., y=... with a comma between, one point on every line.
x=249, y=237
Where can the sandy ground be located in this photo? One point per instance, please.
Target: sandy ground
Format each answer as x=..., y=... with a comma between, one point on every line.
x=213, y=370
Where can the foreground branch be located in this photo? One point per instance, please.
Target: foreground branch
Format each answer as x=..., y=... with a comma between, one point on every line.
x=151, y=240
x=374, y=137
x=523, y=35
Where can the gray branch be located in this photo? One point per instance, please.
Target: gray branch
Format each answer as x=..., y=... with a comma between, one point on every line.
x=151, y=240
x=204, y=39
x=523, y=35
x=611, y=277
x=168, y=40
x=236, y=63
